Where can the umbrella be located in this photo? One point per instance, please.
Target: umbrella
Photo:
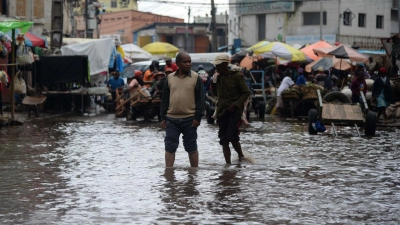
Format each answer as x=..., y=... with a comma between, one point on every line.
x=247, y=61
x=309, y=50
x=32, y=40
x=161, y=48
x=279, y=49
x=328, y=63
x=135, y=52
x=238, y=57
x=342, y=52
x=258, y=45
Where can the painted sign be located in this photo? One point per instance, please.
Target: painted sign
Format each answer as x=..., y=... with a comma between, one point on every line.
x=245, y=7
x=309, y=39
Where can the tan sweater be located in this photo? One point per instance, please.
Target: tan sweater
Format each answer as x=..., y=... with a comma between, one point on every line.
x=182, y=98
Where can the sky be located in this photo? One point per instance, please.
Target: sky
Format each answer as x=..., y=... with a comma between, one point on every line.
x=179, y=9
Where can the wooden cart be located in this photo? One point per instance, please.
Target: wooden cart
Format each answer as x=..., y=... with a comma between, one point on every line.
x=133, y=105
x=342, y=114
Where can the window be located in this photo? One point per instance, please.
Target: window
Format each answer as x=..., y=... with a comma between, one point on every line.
x=347, y=18
x=261, y=26
x=114, y=4
x=379, y=22
x=313, y=18
x=361, y=20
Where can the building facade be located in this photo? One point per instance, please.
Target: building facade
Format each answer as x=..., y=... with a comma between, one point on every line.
x=191, y=38
x=119, y=5
x=38, y=11
x=125, y=22
x=353, y=22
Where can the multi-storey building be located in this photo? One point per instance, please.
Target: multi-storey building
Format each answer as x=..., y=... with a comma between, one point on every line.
x=354, y=22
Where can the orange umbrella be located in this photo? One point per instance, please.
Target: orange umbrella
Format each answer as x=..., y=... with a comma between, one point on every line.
x=247, y=61
x=309, y=50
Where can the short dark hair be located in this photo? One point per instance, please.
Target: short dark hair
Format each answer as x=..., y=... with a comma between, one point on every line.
x=178, y=57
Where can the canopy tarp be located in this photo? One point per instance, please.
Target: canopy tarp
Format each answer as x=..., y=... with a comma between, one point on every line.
x=6, y=26
x=135, y=52
x=98, y=51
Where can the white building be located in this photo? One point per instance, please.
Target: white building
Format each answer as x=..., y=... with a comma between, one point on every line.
x=354, y=22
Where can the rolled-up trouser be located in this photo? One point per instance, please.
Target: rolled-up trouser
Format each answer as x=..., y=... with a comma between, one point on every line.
x=176, y=127
x=228, y=127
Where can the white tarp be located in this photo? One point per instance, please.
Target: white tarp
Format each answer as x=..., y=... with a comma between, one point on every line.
x=135, y=52
x=98, y=51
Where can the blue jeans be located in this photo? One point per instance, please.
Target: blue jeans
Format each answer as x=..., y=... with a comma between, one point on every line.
x=176, y=127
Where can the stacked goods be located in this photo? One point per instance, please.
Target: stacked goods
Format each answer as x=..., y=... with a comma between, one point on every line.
x=393, y=111
x=369, y=83
x=290, y=93
x=310, y=91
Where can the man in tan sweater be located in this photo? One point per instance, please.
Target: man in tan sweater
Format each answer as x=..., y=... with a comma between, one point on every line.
x=182, y=107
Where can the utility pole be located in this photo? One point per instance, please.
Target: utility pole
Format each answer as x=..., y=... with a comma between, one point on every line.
x=214, y=29
x=187, y=34
x=86, y=19
x=71, y=11
x=321, y=20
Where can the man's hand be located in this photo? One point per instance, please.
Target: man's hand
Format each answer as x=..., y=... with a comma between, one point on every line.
x=163, y=124
x=231, y=108
x=195, y=123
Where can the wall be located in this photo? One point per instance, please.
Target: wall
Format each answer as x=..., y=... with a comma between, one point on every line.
x=295, y=20
x=122, y=5
x=371, y=8
x=128, y=21
x=291, y=23
x=41, y=9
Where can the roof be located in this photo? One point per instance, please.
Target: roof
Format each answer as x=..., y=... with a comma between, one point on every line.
x=136, y=11
x=175, y=24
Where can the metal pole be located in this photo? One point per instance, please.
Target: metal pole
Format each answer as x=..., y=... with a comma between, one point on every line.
x=12, y=74
x=321, y=20
x=71, y=11
x=187, y=34
x=214, y=28
x=86, y=19
x=398, y=13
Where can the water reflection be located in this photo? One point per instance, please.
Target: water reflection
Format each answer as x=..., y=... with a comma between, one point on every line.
x=230, y=201
x=102, y=170
x=180, y=194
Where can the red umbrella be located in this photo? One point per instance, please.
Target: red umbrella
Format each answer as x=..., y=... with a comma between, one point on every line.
x=35, y=40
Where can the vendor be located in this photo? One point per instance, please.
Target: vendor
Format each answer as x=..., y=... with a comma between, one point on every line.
x=287, y=82
x=115, y=82
x=357, y=85
x=300, y=79
x=320, y=77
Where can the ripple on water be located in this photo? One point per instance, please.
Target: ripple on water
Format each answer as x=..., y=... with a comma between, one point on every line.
x=102, y=170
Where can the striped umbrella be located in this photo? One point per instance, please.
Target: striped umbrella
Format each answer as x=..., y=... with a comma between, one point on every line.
x=281, y=50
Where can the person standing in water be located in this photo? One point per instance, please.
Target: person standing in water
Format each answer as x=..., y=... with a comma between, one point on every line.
x=232, y=92
x=182, y=107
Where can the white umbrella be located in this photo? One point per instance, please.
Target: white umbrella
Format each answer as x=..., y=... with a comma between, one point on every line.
x=135, y=52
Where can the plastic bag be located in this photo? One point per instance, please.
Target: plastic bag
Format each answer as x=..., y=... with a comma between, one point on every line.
x=19, y=85
x=24, y=55
x=3, y=51
x=318, y=126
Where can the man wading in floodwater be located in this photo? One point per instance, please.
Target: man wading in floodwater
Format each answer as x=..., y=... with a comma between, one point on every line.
x=182, y=107
x=232, y=92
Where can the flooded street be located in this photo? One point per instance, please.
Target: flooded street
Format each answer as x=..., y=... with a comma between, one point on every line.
x=102, y=170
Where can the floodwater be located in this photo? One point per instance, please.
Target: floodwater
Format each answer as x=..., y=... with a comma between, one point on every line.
x=102, y=170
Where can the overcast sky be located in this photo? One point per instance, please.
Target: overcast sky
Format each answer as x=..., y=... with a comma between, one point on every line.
x=201, y=8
